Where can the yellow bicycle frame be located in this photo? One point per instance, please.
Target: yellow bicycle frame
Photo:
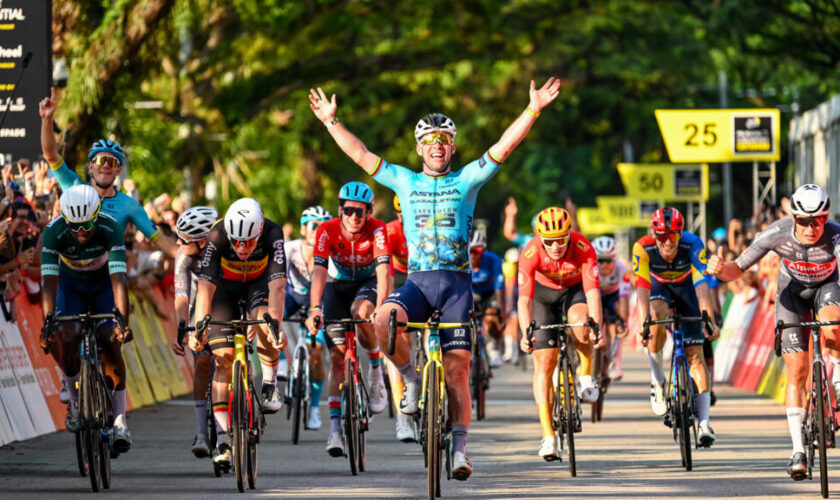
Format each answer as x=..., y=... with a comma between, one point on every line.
x=435, y=355
x=239, y=356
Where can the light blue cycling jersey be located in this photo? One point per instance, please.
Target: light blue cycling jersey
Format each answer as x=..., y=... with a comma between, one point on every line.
x=121, y=207
x=438, y=211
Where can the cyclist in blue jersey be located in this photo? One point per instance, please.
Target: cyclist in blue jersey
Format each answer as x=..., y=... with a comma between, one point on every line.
x=105, y=162
x=437, y=206
x=488, y=287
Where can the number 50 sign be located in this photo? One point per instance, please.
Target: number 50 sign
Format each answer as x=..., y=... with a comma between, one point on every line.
x=664, y=181
x=719, y=135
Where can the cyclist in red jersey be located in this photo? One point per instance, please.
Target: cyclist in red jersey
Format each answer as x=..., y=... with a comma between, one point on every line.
x=399, y=268
x=558, y=278
x=355, y=249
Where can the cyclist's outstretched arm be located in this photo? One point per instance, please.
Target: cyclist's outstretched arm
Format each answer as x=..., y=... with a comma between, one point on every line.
x=520, y=127
x=316, y=296
x=352, y=146
x=118, y=283
x=203, y=299
x=46, y=108
x=49, y=287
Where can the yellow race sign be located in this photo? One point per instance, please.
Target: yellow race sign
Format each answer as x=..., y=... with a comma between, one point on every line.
x=592, y=221
x=720, y=135
x=625, y=211
x=664, y=181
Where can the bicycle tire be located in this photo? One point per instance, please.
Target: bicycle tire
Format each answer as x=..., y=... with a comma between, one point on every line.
x=569, y=410
x=104, y=420
x=253, y=438
x=821, y=437
x=349, y=415
x=388, y=393
x=684, y=413
x=297, y=396
x=239, y=425
x=80, y=454
x=432, y=409
x=478, y=391
x=87, y=414
x=363, y=415
x=597, y=369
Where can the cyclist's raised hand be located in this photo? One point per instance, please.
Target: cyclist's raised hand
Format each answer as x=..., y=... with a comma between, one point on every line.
x=46, y=108
x=715, y=265
x=323, y=108
x=510, y=207
x=543, y=97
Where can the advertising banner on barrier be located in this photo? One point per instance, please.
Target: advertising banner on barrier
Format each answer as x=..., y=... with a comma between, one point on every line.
x=732, y=334
x=755, y=351
x=13, y=401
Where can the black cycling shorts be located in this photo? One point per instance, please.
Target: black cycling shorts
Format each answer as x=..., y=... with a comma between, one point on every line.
x=551, y=307
x=339, y=295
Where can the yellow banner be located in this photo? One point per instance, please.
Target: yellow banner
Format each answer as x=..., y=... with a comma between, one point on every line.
x=626, y=211
x=720, y=135
x=664, y=181
x=593, y=222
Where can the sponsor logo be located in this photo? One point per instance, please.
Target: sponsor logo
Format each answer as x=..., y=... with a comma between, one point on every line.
x=445, y=192
x=278, y=251
x=210, y=249
x=809, y=270
x=530, y=252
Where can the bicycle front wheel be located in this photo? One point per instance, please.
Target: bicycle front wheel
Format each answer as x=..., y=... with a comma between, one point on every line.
x=239, y=425
x=90, y=427
x=569, y=412
x=351, y=423
x=478, y=389
x=683, y=421
x=819, y=391
x=104, y=420
x=298, y=392
x=254, y=418
x=432, y=409
x=597, y=373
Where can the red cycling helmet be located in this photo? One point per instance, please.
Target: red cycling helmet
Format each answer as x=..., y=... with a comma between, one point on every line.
x=667, y=219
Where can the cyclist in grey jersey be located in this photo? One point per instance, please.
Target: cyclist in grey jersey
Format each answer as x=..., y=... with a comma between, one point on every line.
x=809, y=245
x=192, y=229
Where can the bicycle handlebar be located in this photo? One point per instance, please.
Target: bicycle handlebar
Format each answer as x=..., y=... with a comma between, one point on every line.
x=678, y=320
x=51, y=321
x=590, y=323
x=781, y=325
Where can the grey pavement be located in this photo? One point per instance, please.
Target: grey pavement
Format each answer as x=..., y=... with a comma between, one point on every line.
x=630, y=454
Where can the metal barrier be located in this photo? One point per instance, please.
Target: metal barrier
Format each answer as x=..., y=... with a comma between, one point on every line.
x=815, y=148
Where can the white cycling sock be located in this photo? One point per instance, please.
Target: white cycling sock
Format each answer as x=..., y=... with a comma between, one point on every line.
x=795, y=418
x=656, y=372
x=118, y=404
x=703, y=401
x=835, y=376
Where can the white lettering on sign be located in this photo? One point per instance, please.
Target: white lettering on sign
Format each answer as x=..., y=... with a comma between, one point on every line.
x=11, y=14
x=11, y=53
x=18, y=105
x=12, y=132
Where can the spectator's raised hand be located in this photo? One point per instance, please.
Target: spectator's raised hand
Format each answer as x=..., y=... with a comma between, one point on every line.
x=26, y=256
x=41, y=170
x=510, y=207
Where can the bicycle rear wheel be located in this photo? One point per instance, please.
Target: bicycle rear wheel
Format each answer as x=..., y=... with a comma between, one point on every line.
x=362, y=417
x=239, y=426
x=479, y=393
x=432, y=409
x=349, y=413
x=683, y=422
x=298, y=393
x=80, y=454
x=597, y=374
x=105, y=434
x=819, y=391
x=569, y=411
x=253, y=437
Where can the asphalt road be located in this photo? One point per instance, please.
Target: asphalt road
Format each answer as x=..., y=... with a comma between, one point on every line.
x=629, y=454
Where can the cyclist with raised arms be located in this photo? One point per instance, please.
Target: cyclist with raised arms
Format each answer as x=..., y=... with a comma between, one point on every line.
x=356, y=246
x=83, y=271
x=437, y=206
x=558, y=279
x=106, y=159
x=809, y=245
x=670, y=272
x=488, y=285
x=300, y=256
x=615, y=291
x=244, y=260
x=399, y=265
x=192, y=229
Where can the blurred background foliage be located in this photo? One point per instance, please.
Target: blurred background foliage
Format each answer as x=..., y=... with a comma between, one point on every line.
x=209, y=96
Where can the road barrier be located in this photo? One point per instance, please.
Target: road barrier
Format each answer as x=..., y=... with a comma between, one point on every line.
x=30, y=380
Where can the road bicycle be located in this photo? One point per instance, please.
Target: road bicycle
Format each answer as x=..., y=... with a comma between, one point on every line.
x=601, y=365
x=297, y=396
x=819, y=427
x=435, y=428
x=566, y=412
x=681, y=415
x=95, y=438
x=355, y=401
x=246, y=419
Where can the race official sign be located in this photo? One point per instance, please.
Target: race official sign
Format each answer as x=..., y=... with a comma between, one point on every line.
x=720, y=135
x=665, y=181
x=25, y=74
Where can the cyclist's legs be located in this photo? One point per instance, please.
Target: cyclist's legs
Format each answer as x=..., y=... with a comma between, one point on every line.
x=456, y=366
x=578, y=313
x=201, y=380
x=223, y=358
x=545, y=360
x=257, y=306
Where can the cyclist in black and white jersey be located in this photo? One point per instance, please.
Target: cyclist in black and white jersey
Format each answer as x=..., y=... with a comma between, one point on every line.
x=809, y=245
x=192, y=229
x=300, y=263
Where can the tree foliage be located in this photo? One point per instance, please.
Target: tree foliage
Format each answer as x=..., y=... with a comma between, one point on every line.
x=232, y=78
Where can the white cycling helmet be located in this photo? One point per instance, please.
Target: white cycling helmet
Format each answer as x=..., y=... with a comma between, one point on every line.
x=244, y=220
x=512, y=255
x=478, y=240
x=196, y=222
x=80, y=203
x=605, y=247
x=434, y=122
x=810, y=200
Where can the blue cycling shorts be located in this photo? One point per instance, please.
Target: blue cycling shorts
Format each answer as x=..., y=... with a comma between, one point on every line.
x=449, y=291
x=77, y=296
x=683, y=298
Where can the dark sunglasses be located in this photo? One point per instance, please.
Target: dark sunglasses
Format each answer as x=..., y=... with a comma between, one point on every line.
x=350, y=211
x=82, y=226
x=604, y=261
x=106, y=160
x=811, y=221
